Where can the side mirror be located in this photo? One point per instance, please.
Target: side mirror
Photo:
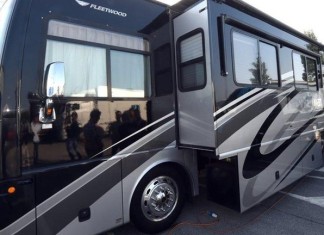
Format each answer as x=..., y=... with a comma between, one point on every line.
x=54, y=79
x=54, y=83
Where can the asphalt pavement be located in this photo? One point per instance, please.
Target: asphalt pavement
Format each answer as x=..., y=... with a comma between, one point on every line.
x=298, y=209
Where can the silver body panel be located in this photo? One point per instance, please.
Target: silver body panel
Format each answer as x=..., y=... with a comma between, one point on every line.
x=104, y=215
x=260, y=187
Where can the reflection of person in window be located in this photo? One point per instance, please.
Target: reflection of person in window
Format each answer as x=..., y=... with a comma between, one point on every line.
x=137, y=119
x=93, y=134
x=114, y=131
x=36, y=127
x=73, y=132
x=126, y=129
x=27, y=158
x=132, y=122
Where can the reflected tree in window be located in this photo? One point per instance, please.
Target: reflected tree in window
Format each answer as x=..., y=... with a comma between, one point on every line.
x=255, y=61
x=312, y=47
x=305, y=71
x=259, y=72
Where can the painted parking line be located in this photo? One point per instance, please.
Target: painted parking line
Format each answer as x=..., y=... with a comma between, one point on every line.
x=318, y=201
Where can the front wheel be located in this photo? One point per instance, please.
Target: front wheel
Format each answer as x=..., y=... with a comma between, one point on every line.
x=157, y=200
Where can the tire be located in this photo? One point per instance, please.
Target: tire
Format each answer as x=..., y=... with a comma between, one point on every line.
x=158, y=199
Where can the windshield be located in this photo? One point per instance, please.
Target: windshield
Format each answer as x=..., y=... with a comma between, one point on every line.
x=6, y=8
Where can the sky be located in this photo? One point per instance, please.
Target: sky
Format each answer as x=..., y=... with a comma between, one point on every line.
x=298, y=14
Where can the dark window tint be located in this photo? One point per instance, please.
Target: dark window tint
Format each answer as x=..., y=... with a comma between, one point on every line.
x=192, y=76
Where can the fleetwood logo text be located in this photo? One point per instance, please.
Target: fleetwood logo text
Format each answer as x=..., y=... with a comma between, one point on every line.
x=101, y=8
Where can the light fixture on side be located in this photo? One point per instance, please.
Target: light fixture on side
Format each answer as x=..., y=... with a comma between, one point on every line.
x=169, y=2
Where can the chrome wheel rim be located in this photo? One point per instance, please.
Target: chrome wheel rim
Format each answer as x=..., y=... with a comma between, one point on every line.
x=159, y=198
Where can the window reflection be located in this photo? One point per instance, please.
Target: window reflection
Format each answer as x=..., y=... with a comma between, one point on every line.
x=90, y=122
x=83, y=130
x=311, y=73
x=254, y=62
x=269, y=70
x=305, y=71
x=246, y=59
x=300, y=71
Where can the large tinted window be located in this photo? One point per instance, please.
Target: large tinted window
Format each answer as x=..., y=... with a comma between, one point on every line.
x=128, y=74
x=93, y=65
x=255, y=62
x=6, y=8
x=85, y=68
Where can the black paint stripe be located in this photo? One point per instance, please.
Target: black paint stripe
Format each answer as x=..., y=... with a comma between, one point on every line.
x=256, y=162
x=219, y=115
x=150, y=149
x=144, y=131
x=235, y=123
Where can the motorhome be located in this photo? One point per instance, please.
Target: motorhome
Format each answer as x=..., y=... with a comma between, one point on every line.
x=114, y=111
